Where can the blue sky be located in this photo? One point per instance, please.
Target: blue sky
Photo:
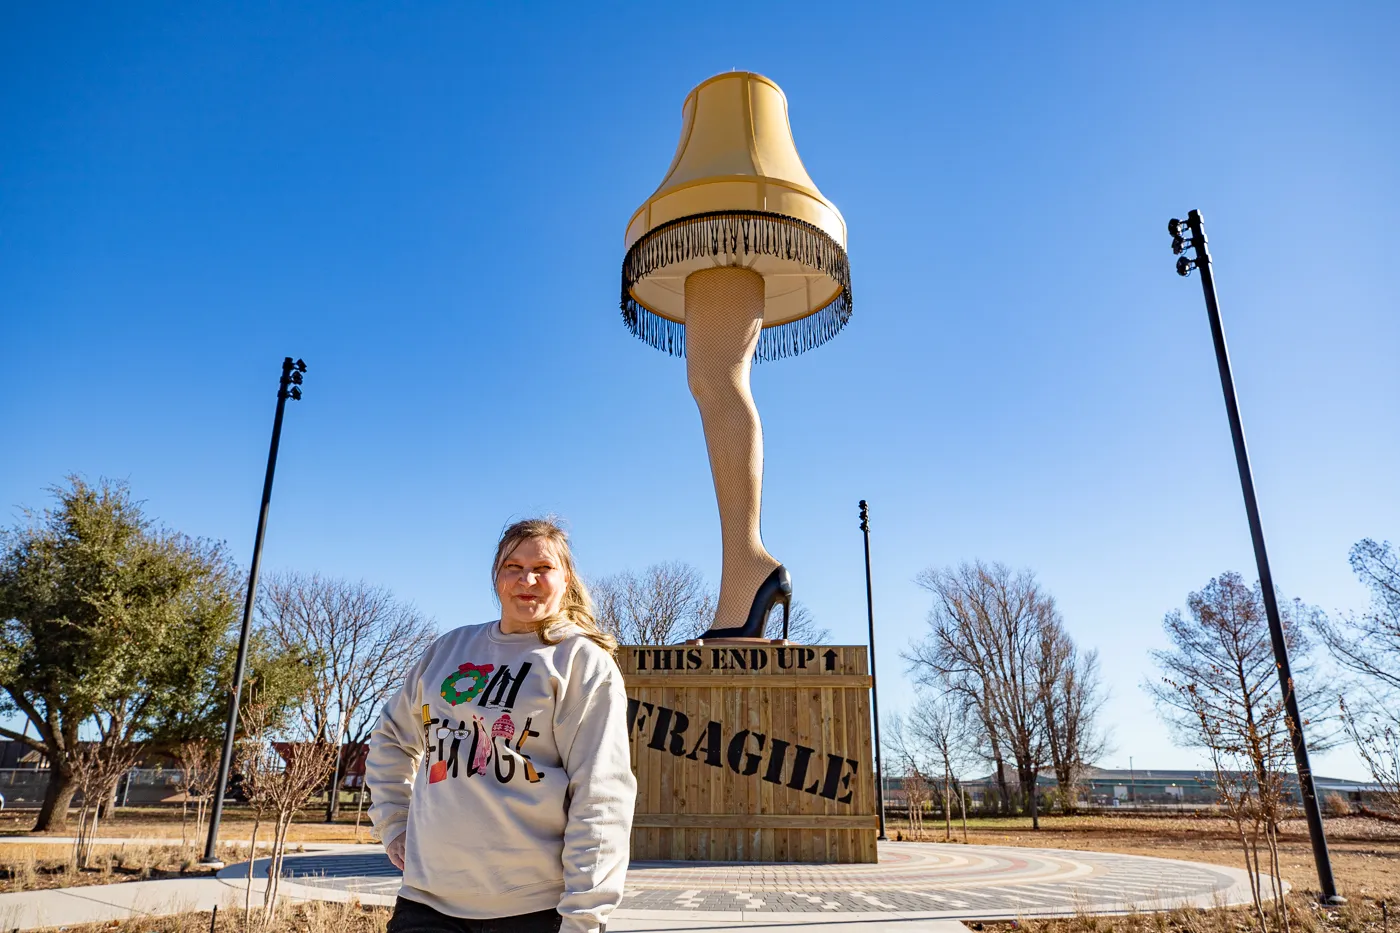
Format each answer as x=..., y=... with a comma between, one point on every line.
x=427, y=201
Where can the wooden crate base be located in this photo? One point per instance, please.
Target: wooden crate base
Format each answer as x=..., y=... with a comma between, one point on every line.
x=751, y=753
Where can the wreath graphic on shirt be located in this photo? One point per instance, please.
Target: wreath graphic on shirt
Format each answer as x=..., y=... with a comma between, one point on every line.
x=475, y=672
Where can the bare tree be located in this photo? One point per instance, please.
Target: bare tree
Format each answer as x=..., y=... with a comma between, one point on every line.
x=1248, y=769
x=670, y=602
x=97, y=767
x=198, y=761
x=1378, y=743
x=1073, y=697
x=1220, y=691
x=1222, y=650
x=660, y=606
x=802, y=627
x=984, y=643
x=990, y=744
x=936, y=741
x=279, y=779
x=359, y=641
x=940, y=723
x=1368, y=646
x=916, y=787
x=910, y=758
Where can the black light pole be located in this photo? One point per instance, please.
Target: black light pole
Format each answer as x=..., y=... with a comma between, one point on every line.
x=289, y=387
x=1196, y=239
x=874, y=683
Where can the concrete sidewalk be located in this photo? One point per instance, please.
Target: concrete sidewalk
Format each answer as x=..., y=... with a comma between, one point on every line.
x=66, y=907
x=33, y=910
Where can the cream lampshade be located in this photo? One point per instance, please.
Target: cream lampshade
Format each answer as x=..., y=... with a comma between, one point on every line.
x=736, y=194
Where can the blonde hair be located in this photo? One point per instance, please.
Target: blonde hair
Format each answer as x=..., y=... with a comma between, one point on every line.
x=576, y=609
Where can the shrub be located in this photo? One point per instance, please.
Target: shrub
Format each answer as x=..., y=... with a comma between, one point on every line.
x=1334, y=804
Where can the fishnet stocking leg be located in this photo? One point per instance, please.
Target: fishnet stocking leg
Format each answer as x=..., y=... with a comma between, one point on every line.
x=723, y=317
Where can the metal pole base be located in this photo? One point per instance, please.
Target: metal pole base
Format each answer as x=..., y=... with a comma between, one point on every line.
x=1336, y=900
x=213, y=863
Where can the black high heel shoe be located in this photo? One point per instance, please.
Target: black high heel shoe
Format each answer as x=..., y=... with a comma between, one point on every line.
x=777, y=588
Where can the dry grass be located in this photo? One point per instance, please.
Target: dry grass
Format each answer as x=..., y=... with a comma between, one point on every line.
x=313, y=917
x=50, y=865
x=40, y=865
x=1365, y=852
x=164, y=823
x=1365, y=863
x=1305, y=916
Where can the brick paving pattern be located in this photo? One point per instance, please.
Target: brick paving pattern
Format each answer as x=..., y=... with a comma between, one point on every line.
x=951, y=881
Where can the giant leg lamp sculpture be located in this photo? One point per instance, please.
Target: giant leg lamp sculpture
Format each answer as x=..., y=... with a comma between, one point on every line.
x=736, y=257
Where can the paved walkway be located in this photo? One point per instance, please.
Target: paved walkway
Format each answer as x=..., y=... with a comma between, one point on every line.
x=62, y=907
x=923, y=880
x=924, y=887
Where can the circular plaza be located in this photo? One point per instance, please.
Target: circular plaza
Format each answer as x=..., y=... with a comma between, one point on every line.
x=911, y=881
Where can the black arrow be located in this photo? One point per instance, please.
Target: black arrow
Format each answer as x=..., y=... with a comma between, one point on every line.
x=830, y=659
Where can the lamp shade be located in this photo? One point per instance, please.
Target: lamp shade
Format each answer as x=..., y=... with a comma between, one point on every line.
x=737, y=194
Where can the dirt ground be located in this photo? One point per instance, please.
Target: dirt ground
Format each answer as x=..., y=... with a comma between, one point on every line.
x=165, y=823
x=25, y=867
x=1365, y=852
x=1365, y=856
x=42, y=866
x=313, y=917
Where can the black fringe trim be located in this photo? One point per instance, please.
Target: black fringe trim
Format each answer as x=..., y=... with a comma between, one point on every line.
x=722, y=232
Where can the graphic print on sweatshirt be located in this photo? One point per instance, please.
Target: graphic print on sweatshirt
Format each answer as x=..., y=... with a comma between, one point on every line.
x=467, y=746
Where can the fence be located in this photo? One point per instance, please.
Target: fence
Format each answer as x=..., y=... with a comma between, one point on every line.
x=25, y=787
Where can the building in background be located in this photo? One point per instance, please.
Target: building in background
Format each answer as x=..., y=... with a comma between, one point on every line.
x=1108, y=788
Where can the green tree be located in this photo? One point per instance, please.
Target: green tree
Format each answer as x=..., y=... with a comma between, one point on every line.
x=110, y=623
x=200, y=713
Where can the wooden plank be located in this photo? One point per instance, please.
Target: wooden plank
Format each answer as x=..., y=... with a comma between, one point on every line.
x=655, y=763
x=746, y=820
x=696, y=843
x=667, y=800
x=850, y=681
x=732, y=789
x=754, y=786
x=715, y=778
x=854, y=749
x=805, y=850
x=793, y=842
x=833, y=709
x=768, y=792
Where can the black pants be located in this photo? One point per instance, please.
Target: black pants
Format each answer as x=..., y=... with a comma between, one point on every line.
x=413, y=917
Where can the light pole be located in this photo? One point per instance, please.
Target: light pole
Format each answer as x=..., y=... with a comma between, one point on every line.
x=333, y=798
x=874, y=683
x=1195, y=239
x=288, y=387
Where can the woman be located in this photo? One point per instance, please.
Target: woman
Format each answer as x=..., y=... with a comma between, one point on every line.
x=500, y=772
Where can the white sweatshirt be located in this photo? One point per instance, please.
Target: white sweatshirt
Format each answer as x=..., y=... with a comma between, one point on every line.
x=506, y=761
